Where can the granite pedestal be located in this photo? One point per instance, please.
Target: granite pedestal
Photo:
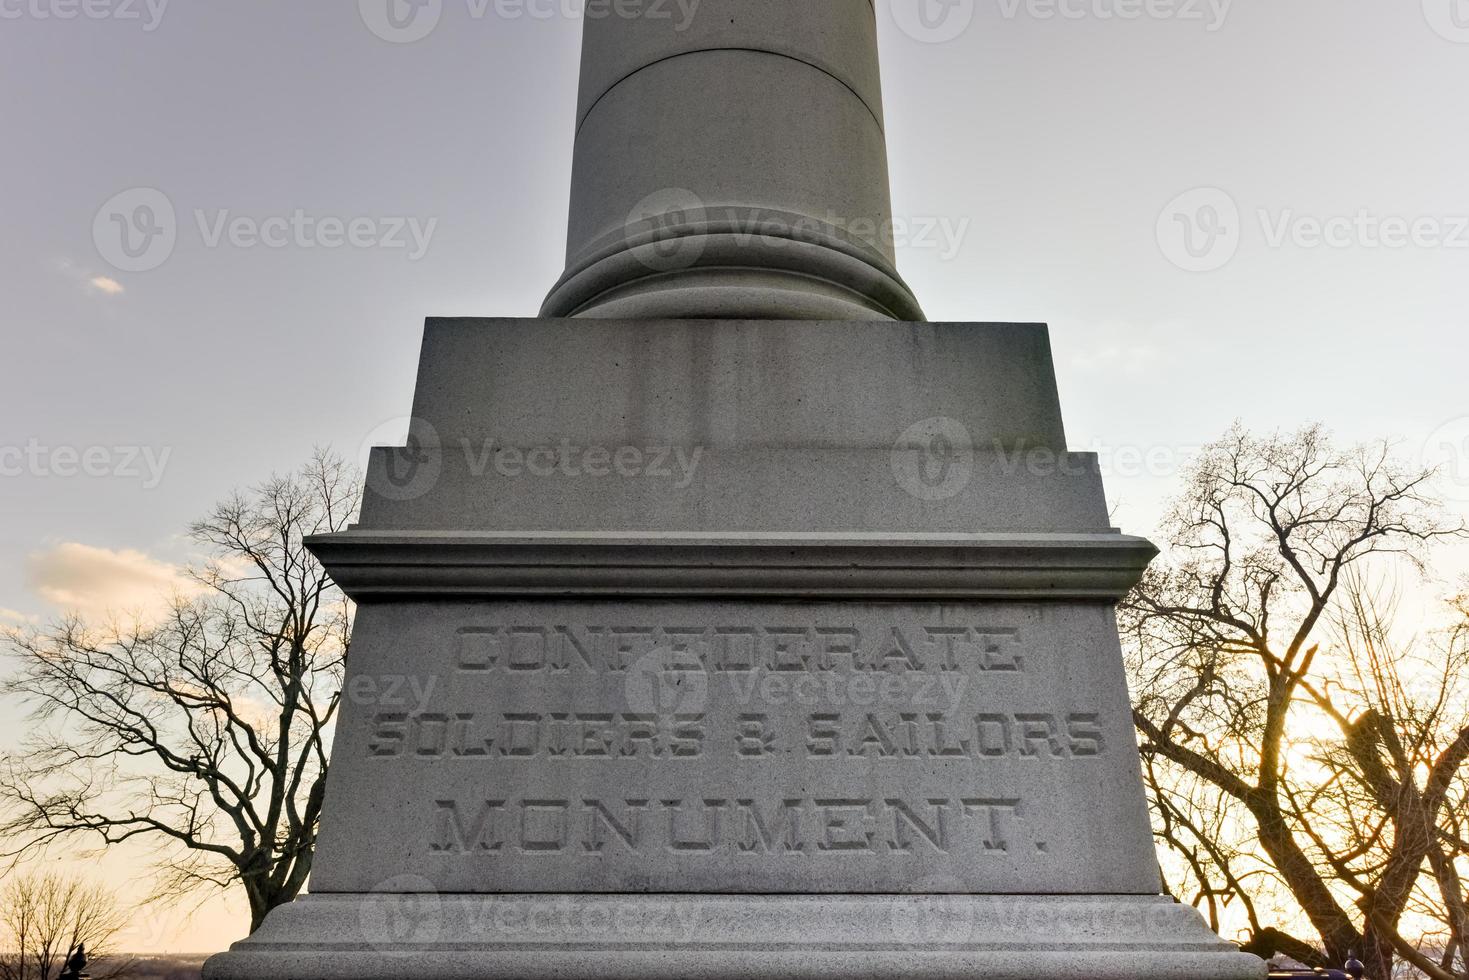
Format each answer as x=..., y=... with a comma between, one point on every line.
x=734, y=649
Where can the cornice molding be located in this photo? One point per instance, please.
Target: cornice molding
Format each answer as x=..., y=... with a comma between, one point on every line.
x=370, y=564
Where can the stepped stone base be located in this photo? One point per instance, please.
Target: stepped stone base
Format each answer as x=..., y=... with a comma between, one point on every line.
x=732, y=937
x=724, y=650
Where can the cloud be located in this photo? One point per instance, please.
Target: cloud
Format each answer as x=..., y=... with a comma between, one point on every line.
x=92, y=282
x=98, y=583
x=11, y=616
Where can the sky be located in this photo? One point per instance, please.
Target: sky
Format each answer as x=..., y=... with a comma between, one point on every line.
x=1225, y=210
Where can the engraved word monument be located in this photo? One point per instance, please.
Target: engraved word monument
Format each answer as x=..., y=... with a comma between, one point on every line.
x=730, y=620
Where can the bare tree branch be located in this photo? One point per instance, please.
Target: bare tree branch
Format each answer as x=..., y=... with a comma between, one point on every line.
x=1256, y=680
x=204, y=733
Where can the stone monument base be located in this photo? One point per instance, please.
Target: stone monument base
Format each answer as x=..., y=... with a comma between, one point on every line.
x=714, y=650
x=732, y=937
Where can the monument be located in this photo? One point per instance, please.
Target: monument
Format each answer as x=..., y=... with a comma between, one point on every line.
x=729, y=620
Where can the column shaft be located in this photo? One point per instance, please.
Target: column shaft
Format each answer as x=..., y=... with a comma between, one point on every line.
x=732, y=164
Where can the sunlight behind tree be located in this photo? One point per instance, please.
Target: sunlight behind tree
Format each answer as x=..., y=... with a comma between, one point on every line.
x=202, y=734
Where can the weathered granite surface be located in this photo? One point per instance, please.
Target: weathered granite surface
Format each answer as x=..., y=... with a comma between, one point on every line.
x=736, y=426
x=731, y=630
x=732, y=164
x=734, y=937
x=736, y=746
x=761, y=731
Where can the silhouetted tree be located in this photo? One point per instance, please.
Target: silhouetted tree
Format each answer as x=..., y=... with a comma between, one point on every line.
x=44, y=918
x=1282, y=741
x=204, y=733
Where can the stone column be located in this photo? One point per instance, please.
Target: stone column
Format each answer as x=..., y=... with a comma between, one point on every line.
x=731, y=162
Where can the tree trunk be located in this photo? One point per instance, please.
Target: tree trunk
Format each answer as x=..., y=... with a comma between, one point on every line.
x=1377, y=954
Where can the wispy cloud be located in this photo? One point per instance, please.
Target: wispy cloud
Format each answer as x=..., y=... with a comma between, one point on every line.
x=11, y=616
x=89, y=280
x=98, y=582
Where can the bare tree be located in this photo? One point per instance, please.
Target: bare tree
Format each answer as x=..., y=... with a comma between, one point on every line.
x=1400, y=758
x=203, y=734
x=1253, y=703
x=44, y=918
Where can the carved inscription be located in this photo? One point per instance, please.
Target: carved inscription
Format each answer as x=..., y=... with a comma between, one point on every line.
x=735, y=649
x=823, y=739
x=596, y=735
x=745, y=826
